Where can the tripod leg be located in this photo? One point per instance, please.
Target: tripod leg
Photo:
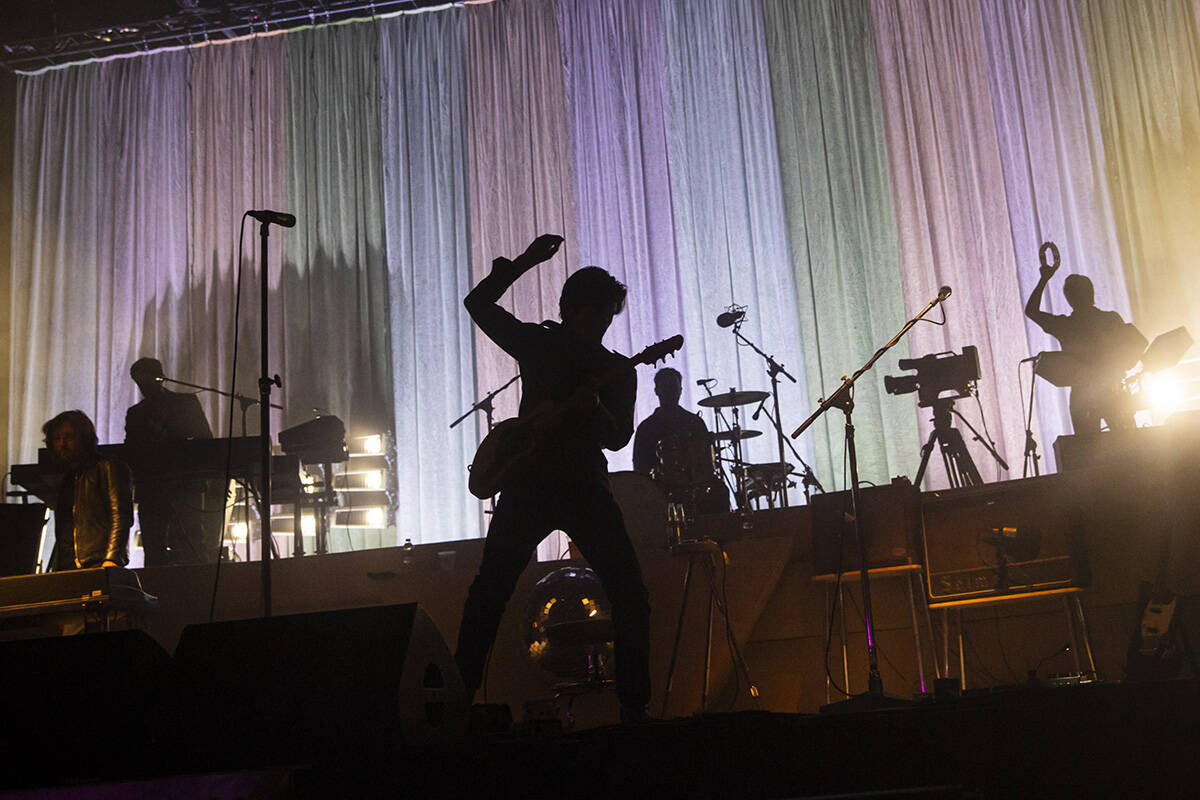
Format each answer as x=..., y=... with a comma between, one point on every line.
x=687, y=584
x=925, y=451
x=955, y=449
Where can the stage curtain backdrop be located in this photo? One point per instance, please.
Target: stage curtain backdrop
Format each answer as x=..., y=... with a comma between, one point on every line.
x=1052, y=153
x=834, y=165
x=423, y=90
x=1145, y=68
x=100, y=238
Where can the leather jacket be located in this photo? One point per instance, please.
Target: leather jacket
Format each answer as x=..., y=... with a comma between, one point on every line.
x=93, y=516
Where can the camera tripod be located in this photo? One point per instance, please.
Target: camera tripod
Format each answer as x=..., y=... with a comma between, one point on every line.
x=960, y=468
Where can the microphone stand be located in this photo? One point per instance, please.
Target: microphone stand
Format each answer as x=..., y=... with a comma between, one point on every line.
x=774, y=370
x=1031, y=446
x=843, y=398
x=485, y=405
x=265, y=382
x=243, y=401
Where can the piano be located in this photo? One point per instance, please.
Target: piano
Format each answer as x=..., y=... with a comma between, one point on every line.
x=187, y=459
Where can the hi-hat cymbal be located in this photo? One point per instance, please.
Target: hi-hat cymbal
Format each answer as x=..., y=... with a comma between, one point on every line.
x=733, y=399
x=773, y=470
x=736, y=433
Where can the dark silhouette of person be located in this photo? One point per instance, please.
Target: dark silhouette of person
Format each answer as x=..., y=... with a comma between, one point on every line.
x=93, y=509
x=1099, y=346
x=674, y=447
x=566, y=486
x=175, y=527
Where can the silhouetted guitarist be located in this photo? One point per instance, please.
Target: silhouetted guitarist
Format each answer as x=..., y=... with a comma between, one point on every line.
x=1100, y=345
x=566, y=486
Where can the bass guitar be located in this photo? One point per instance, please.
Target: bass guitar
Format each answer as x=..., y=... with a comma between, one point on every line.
x=516, y=442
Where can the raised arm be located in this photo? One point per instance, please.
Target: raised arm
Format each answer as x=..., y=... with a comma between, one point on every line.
x=482, y=301
x=1033, y=308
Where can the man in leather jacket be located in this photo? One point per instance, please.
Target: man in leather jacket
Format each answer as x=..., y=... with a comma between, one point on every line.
x=94, y=508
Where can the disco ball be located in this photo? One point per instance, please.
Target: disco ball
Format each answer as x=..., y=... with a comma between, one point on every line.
x=568, y=616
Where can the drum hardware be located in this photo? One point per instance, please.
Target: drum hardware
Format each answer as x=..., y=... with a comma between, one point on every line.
x=732, y=398
x=843, y=398
x=735, y=434
x=733, y=319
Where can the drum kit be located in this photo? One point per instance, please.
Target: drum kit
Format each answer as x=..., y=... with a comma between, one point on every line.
x=701, y=472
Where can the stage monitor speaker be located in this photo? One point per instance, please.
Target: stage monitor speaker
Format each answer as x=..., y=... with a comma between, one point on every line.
x=78, y=705
x=308, y=684
x=1000, y=539
x=890, y=522
x=20, y=534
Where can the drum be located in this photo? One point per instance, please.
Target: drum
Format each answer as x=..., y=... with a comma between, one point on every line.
x=685, y=460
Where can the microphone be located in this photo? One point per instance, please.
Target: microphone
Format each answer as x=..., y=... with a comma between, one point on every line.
x=274, y=218
x=943, y=292
x=705, y=381
x=730, y=318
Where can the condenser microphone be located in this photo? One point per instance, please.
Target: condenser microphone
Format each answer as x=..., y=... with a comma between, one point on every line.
x=730, y=318
x=943, y=292
x=705, y=381
x=274, y=218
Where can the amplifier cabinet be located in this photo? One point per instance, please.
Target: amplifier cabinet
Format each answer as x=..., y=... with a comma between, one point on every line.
x=1002, y=539
x=890, y=520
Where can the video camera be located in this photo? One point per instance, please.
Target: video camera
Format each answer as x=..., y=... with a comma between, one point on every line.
x=936, y=374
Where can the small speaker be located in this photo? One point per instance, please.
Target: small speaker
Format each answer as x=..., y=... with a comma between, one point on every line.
x=20, y=534
x=308, y=684
x=890, y=521
x=1019, y=536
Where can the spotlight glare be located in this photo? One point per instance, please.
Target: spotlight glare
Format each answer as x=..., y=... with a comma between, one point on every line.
x=373, y=444
x=375, y=517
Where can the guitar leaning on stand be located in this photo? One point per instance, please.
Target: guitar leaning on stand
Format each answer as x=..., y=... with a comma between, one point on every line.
x=516, y=442
x=1159, y=648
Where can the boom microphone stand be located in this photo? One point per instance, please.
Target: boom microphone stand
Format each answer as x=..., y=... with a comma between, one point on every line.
x=843, y=398
x=488, y=408
x=774, y=370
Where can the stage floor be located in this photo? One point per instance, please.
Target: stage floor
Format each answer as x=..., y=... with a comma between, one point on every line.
x=1101, y=740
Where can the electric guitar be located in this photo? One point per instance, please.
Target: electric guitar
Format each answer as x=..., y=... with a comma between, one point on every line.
x=1158, y=648
x=515, y=442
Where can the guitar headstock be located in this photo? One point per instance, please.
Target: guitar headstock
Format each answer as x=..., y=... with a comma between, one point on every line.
x=659, y=350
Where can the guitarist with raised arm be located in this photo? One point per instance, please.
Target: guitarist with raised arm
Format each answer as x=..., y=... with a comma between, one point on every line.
x=577, y=399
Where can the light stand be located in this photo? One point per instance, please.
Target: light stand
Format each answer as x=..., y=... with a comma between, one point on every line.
x=843, y=398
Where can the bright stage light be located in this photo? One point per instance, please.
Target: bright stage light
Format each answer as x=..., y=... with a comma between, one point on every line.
x=237, y=531
x=308, y=525
x=375, y=517
x=373, y=444
x=373, y=479
x=1163, y=394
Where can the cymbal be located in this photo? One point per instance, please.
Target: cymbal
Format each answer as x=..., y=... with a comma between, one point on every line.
x=732, y=399
x=738, y=434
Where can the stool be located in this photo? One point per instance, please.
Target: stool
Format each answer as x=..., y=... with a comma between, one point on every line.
x=692, y=549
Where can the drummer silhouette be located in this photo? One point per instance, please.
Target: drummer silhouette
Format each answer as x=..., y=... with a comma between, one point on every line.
x=674, y=447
